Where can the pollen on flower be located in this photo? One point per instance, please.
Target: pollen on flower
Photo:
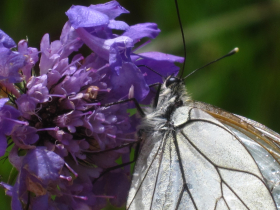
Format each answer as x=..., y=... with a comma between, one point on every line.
x=59, y=117
x=92, y=92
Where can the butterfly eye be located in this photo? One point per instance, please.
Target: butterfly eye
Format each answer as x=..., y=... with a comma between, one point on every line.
x=172, y=80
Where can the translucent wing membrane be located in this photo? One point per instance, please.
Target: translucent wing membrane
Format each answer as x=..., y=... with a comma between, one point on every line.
x=207, y=160
x=260, y=133
x=262, y=143
x=155, y=172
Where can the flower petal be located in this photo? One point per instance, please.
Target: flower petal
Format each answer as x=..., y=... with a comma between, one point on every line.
x=43, y=164
x=6, y=41
x=160, y=62
x=3, y=101
x=129, y=75
x=139, y=31
x=80, y=16
x=3, y=144
x=118, y=25
x=10, y=64
x=112, y=9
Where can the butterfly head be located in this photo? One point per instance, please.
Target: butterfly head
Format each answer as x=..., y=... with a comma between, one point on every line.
x=173, y=91
x=170, y=81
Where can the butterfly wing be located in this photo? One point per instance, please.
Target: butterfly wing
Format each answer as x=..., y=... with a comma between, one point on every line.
x=155, y=171
x=201, y=163
x=266, y=135
x=262, y=143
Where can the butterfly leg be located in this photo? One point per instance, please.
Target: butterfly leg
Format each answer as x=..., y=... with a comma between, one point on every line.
x=151, y=70
x=141, y=112
x=137, y=148
x=155, y=103
x=137, y=105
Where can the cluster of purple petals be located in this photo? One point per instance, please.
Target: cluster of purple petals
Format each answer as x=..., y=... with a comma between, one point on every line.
x=59, y=118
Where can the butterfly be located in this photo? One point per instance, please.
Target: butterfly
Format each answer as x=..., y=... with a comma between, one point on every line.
x=197, y=156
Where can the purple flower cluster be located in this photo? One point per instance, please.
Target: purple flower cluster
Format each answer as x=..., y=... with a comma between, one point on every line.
x=55, y=119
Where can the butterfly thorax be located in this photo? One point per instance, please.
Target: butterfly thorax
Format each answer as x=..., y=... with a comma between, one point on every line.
x=171, y=96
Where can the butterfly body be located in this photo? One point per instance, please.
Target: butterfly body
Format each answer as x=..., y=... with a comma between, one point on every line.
x=193, y=157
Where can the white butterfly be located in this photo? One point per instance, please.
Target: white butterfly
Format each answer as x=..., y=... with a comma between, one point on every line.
x=196, y=156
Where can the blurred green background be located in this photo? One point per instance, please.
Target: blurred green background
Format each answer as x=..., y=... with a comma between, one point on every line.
x=247, y=83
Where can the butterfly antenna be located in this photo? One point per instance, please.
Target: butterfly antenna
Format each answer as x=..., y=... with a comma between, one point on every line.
x=151, y=70
x=235, y=50
x=183, y=37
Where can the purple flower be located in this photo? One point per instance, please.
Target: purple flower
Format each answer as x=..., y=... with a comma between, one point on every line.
x=39, y=173
x=58, y=117
x=10, y=64
x=115, y=50
x=6, y=41
x=31, y=57
x=25, y=136
x=8, y=119
x=27, y=106
x=37, y=88
x=160, y=62
x=70, y=120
